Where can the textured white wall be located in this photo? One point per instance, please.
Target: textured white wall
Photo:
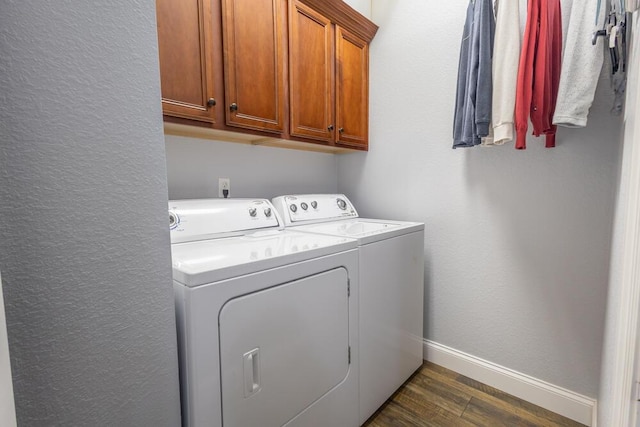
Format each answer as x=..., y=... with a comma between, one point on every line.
x=85, y=246
x=516, y=242
x=194, y=166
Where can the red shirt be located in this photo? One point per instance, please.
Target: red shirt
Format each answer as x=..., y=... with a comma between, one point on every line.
x=539, y=72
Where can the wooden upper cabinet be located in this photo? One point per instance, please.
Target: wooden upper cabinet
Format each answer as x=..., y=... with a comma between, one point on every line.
x=329, y=75
x=311, y=74
x=274, y=69
x=352, y=92
x=255, y=52
x=185, y=44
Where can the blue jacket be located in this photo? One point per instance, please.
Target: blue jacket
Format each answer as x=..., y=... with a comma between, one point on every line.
x=472, y=115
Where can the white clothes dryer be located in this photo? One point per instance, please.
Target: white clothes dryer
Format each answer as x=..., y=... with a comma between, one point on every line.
x=391, y=265
x=267, y=318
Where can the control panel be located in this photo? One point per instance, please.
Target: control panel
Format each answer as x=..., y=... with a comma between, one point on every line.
x=299, y=209
x=199, y=219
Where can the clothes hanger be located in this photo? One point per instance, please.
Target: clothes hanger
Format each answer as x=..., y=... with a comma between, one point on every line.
x=612, y=31
x=615, y=31
x=598, y=33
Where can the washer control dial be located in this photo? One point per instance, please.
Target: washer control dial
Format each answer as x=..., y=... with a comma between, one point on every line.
x=314, y=204
x=253, y=212
x=293, y=208
x=304, y=206
x=341, y=204
x=267, y=212
x=174, y=220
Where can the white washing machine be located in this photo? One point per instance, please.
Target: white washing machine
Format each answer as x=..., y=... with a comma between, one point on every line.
x=267, y=318
x=391, y=264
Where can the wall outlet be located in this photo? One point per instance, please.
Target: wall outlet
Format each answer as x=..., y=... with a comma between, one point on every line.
x=224, y=184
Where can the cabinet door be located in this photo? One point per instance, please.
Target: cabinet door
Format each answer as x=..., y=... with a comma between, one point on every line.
x=254, y=37
x=311, y=73
x=185, y=29
x=352, y=90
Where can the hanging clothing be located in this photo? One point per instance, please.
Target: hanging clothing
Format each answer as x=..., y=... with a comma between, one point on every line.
x=474, y=90
x=632, y=5
x=581, y=65
x=505, y=71
x=617, y=40
x=539, y=71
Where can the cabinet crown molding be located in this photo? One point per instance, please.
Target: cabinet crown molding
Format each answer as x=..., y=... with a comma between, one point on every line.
x=345, y=16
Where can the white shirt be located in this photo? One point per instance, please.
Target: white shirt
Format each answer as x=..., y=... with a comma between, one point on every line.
x=506, y=54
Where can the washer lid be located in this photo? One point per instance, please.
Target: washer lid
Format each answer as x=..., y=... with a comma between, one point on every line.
x=366, y=230
x=207, y=261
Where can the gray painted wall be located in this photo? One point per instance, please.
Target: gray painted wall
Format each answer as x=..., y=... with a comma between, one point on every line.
x=85, y=247
x=517, y=242
x=194, y=166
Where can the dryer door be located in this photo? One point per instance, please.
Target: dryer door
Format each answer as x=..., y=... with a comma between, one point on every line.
x=283, y=348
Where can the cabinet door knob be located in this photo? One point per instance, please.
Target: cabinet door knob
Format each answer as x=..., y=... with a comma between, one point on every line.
x=341, y=130
x=211, y=102
x=233, y=107
x=330, y=127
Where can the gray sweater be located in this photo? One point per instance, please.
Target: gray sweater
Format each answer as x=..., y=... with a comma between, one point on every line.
x=472, y=114
x=581, y=65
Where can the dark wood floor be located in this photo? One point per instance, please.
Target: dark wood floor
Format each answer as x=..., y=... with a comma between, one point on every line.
x=435, y=396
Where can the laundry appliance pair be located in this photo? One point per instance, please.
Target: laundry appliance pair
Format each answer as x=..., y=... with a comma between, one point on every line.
x=312, y=324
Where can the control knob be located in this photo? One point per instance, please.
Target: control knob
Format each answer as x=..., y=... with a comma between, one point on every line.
x=173, y=220
x=304, y=206
x=342, y=204
x=267, y=212
x=253, y=212
x=314, y=204
x=293, y=208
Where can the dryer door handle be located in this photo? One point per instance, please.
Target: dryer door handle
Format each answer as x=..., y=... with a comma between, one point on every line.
x=251, y=364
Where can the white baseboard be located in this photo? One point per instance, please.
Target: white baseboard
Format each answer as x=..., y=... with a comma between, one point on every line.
x=556, y=399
